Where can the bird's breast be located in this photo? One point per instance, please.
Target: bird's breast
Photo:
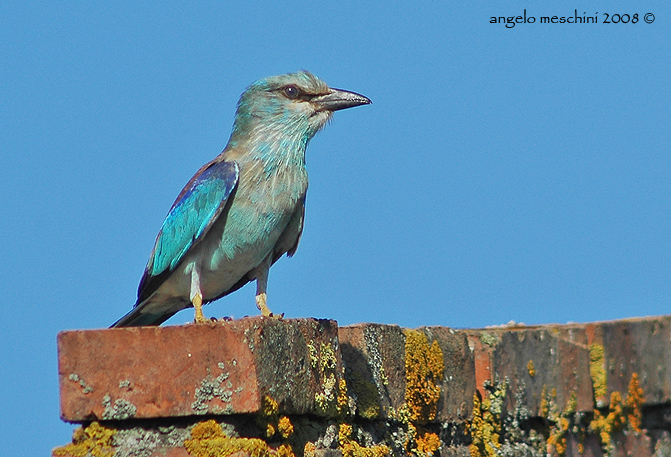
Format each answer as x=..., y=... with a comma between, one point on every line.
x=260, y=211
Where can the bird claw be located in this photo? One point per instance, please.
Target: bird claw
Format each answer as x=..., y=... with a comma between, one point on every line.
x=261, y=303
x=197, y=302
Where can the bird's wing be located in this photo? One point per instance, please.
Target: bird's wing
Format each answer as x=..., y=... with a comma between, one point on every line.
x=195, y=210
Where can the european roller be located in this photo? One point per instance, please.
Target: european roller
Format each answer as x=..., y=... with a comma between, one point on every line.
x=243, y=210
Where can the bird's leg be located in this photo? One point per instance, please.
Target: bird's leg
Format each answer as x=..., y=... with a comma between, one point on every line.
x=261, y=303
x=261, y=286
x=197, y=301
x=196, y=297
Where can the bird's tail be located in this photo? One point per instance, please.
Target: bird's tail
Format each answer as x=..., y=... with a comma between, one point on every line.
x=141, y=315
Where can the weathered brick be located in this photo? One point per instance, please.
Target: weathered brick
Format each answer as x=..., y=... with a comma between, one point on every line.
x=535, y=361
x=215, y=368
x=374, y=357
x=295, y=367
x=458, y=386
x=641, y=346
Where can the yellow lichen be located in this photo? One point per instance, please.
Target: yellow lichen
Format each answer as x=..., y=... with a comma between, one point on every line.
x=285, y=427
x=350, y=448
x=487, y=424
x=332, y=400
x=427, y=443
x=545, y=403
x=326, y=399
x=309, y=449
x=208, y=440
x=424, y=368
x=531, y=369
x=343, y=406
x=327, y=357
x=611, y=423
x=269, y=406
x=620, y=414
x=561, y=424
x=634, y=402
x=95, y=440
x=268, y=417
x=597, y=369
x=485, y=429
x=344, y=432
x=421, y=443
x=284, y=450
x=313, y=354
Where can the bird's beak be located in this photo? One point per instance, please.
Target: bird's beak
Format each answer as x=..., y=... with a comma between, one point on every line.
x=339, y=99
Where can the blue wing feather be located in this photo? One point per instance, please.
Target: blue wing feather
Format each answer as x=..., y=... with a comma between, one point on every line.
x=195, y=210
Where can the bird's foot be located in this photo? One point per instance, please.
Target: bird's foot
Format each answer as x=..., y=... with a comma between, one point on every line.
x=199, y=318
x=261, y=303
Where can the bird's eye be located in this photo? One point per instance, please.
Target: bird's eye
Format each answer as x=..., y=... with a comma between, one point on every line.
x=292, y=92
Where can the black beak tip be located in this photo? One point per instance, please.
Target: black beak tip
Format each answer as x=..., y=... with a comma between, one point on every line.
x=339, y=99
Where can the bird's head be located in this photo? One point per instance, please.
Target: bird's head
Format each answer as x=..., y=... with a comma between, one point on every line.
x=296, y=104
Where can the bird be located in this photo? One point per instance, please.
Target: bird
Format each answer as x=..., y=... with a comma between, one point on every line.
x=244, y=209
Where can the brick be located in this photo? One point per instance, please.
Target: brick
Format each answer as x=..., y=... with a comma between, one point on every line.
x=535, y=361
x=374, y=358
x=641, y=346
x=215, y=368
x=295, y=367
x=458, y=386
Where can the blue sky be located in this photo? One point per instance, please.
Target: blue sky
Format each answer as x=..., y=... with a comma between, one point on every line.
x=501, y=174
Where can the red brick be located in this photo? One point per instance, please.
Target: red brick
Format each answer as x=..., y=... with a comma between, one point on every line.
x=215, y=368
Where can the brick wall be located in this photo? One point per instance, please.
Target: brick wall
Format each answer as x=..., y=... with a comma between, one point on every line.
x=263, y=386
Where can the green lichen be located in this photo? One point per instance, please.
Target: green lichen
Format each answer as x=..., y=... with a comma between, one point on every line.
x=211, y=388
x=326, y=399
x=327, y=357
x=367, y=397
x=371, y=337
x=121, y=410
x=488, y=338
x=331, y=400
x=86, y=389
x=564, y=423
x=486, y=427
x=597, y=369
x=312, y=351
